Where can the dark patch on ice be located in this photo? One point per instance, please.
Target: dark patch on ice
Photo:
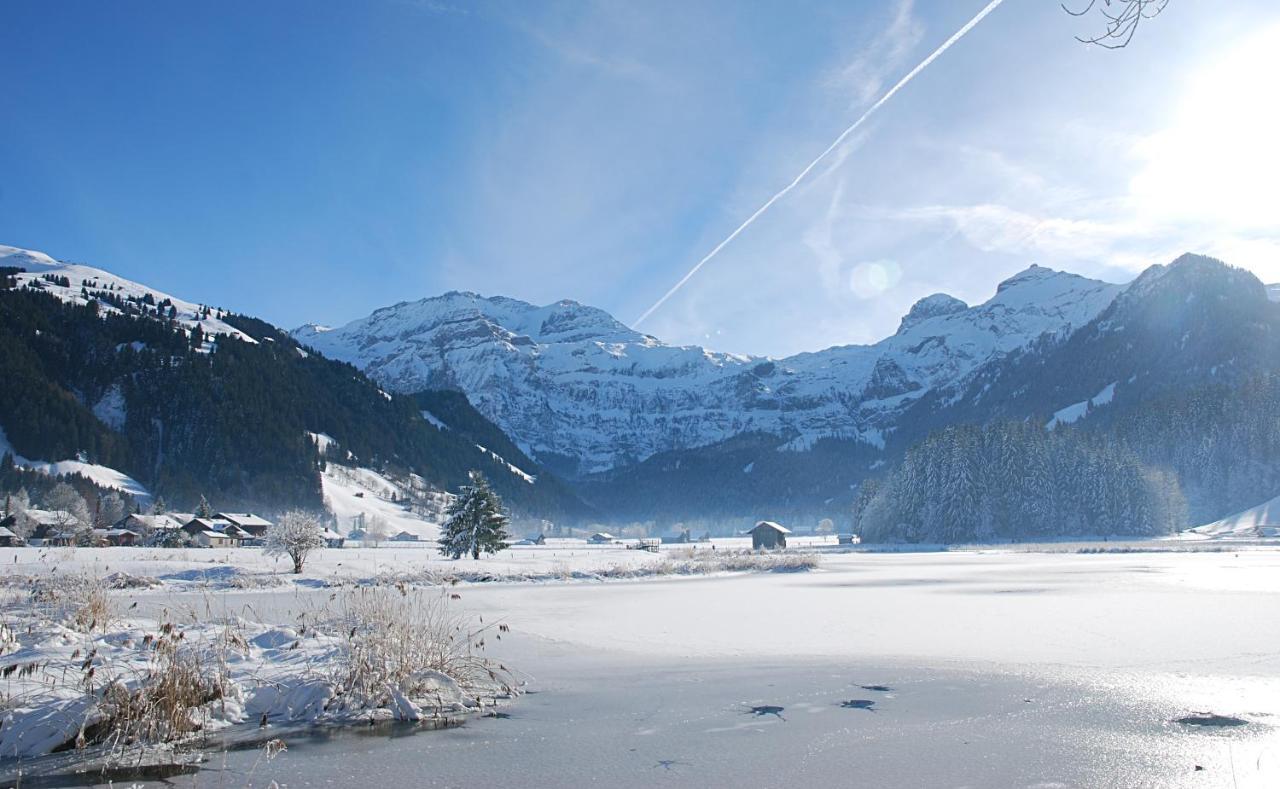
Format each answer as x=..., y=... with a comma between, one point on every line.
x=160, y=773
x=312, y=583
x=859, y=704
x=221, y=573
x=767, y=709
x=667, y=764
x=877, y=688
x=502, y=716
x=1211, y=719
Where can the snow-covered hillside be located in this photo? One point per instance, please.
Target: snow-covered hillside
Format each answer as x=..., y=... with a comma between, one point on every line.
x=568, y=381
x=43, y=272
x=101, y=475
x=1258, y=522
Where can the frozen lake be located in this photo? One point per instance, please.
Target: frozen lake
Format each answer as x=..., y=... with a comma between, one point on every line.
x=942, y=669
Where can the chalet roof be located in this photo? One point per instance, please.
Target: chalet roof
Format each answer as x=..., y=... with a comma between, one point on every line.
x=244, y=519
x=602, y=535
x=113, y=532
x=220, y=535
x=51, y=517
x=330, y=534
x=778, y=527
x=5, y=532
x=209, y=524
x=162, y=521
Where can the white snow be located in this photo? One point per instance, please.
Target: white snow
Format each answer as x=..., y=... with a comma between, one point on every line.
x=521, y=473
x=323, y=441
x=270, y=672
x=101, y=475
x=1076, y=411
x=1262, y=521
x=94, y=280
x=434, y=420
x=570, y=379
x=1068, y=415
x=110, y=409
x=353, y=492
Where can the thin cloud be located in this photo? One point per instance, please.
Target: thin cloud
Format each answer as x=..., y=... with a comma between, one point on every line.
x=899, y=85
x=866, y=74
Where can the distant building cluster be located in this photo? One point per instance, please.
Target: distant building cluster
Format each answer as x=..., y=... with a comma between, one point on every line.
x=218, y=530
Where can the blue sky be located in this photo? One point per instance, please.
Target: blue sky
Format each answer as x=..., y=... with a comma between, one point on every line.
x=314, y=161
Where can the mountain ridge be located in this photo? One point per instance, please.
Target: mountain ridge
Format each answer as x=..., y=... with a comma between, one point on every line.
x=582, y=392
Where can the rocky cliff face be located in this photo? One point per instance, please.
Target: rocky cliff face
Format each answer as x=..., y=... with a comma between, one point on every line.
x=583, y=393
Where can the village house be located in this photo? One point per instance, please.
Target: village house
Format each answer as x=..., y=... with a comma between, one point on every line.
x=253, y=525
x=602, y=538
x=214, y=533
x=52, y=527
x=405, y=536
x=148, y=525
x=114, y=537
x=769, y=535
x=9, y=538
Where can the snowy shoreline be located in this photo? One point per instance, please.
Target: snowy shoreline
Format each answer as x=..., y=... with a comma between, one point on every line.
x=82, y=671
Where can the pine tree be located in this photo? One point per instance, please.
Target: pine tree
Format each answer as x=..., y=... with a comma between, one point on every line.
x=203, y=510
x=475, y=521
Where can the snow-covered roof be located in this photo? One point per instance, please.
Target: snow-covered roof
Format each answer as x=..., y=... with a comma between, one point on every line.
x=52, y=517
x=778, y=527
x=5, y=532
x=244, y=519
x=209, y=524
x=330, y=534
x=221, y=535
x=158, y=522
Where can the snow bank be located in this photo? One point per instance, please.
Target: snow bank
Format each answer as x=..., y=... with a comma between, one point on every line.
x=125, y=683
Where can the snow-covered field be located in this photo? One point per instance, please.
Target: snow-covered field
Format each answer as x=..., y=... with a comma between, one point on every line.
x=992, y=667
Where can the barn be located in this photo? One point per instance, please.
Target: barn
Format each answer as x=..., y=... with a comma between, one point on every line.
x=9, y=538
x=768, y=534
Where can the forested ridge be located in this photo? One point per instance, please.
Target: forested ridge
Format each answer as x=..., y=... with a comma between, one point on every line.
x=219, y=417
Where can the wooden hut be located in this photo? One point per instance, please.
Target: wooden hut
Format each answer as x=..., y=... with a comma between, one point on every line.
x=768, y=534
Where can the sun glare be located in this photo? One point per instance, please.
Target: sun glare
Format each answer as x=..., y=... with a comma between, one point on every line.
x=1219, y=162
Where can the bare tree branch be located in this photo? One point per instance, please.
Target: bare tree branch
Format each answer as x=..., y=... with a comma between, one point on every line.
x=1123, y=18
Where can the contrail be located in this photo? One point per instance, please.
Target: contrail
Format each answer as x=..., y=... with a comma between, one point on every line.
x=959, y=34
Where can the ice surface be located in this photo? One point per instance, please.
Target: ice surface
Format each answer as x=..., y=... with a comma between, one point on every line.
x=984, y=668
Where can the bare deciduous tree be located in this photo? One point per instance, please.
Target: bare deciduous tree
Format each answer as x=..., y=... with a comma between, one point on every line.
x=376, y=531
x=297, y=535
x=1123, y=18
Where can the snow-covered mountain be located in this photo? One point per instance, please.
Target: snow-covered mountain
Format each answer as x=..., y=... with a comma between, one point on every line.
x=138, y=390
x=78, y=284
x=582, y=393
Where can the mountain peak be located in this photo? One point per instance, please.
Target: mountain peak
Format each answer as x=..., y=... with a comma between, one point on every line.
x=1191, y=273
x=28, y=259
x=929, y=307
x=1032, y=273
